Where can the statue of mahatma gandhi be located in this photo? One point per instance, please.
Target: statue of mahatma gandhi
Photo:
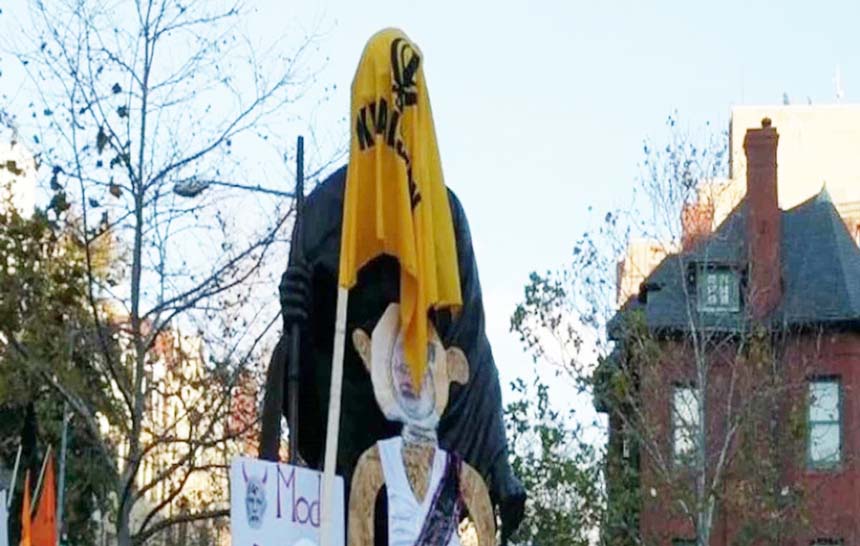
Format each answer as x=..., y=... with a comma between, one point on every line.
x=471, y=425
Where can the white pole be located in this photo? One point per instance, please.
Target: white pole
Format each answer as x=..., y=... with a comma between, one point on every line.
x=333, y=426
x=4, y=519
x=14, y=477
x=39, y=482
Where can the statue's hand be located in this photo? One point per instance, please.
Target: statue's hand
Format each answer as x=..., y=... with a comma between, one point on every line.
x=511, y=497
x=295, y=292
x=512, y=509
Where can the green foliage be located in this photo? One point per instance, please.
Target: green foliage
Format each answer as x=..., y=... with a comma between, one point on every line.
x=46, y=333
x=42, y=295
x=560, y=471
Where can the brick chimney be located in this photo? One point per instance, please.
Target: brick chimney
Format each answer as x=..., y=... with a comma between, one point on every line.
x=697, y=221
x=763, y=223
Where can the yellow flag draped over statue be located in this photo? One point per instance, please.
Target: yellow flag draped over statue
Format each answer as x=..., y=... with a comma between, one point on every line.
x=396, y=202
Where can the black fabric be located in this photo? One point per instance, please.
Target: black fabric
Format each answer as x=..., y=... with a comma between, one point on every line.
x=380, y=519
x=471, y=426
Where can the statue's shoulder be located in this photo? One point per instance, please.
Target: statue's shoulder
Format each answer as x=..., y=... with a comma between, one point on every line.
x=328, y=193
x=456, y=205
x=324, y=210
x=322, y=218
x=461, y=223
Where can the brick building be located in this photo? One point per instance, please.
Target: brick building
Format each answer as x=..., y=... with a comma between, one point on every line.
x=738, y=416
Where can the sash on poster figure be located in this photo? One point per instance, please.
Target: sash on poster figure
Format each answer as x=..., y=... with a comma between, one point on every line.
x=276, y=504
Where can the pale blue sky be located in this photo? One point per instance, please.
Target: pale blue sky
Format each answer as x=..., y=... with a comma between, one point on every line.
x=541, y=107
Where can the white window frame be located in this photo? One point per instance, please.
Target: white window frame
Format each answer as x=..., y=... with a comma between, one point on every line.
x=723, y=283
x=685, y=432
x=824, y=464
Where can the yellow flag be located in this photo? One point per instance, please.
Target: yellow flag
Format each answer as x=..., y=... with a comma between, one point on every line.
x=396, y=202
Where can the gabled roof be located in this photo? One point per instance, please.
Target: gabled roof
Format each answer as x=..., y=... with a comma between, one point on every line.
x=820, y=272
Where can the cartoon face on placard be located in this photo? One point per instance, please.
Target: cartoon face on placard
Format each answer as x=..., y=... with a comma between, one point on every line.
x=255, y=498
x=397, y=396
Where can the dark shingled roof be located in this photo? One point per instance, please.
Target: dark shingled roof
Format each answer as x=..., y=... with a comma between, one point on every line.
x=820, y=272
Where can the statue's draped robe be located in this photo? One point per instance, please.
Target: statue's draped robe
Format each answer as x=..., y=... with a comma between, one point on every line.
x=472, y=425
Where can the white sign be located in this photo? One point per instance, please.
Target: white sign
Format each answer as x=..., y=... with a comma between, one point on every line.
x=4, y=519
x=275, y=504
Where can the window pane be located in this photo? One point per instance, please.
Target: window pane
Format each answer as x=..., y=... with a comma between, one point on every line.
x=718, y=289
x=725, y=289
x=823, y=401
x=684, y=441
x=685, y=422
x=712, y=289
x=686, y=406
x=824, y=444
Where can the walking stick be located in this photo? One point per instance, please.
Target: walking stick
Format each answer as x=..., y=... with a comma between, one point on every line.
x=293, y=366
x=273, y=399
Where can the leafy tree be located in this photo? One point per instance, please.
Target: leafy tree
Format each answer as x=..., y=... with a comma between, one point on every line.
x=46, y=335
x=559, y=469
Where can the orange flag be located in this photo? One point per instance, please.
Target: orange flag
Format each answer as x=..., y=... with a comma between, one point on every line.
x=45, y=522
x=25, y=513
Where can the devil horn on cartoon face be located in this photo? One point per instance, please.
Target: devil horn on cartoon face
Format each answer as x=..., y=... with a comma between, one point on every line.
x=265, y=475
x=244, y=473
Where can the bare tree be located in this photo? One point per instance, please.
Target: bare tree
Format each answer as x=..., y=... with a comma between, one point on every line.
x=130, y=99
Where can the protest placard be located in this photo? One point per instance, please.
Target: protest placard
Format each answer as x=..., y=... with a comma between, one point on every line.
x=276, y=504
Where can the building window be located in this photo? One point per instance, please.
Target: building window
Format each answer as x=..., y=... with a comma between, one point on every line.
x=824, y=443
x=827, y=542
x=684, y=542
x=625, y=442
x=718, y=289
x=685, y=424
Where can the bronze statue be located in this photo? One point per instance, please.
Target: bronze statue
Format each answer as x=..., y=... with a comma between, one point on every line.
x=472, y=424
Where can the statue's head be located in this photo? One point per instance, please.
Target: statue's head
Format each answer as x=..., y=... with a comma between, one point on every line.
x=255, y=498
x=397, y=395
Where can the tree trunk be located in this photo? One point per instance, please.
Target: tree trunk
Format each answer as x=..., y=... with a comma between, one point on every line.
x=123, y=525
